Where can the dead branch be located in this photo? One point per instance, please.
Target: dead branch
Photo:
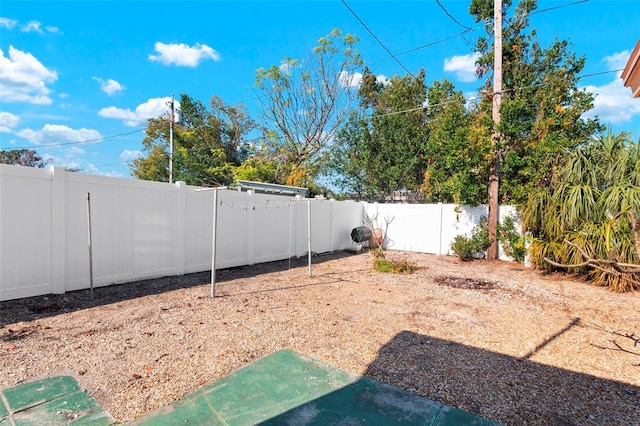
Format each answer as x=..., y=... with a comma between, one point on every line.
x=608, y=266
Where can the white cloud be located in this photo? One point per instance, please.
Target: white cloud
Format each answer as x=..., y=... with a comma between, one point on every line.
x=53, y=29
x=130, y=117
x=8, y=122
x=127, y=155
x=613, y=103
x=109, y=86
x=58, y=134
x=32, y=26
x=153, y=108
x=380, y=78
x=464, y=66
x=348, y=79
x=23, y=78
x=617, y=60
x=95, y=170
x=75, y=151
x=7, y=23
x=351, y=80
x=183, y=55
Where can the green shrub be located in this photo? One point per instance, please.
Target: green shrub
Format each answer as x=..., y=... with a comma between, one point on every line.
x=467, y=248
x=511, y=240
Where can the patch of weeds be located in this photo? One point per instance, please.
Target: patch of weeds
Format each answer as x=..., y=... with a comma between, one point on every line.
x=401, y=266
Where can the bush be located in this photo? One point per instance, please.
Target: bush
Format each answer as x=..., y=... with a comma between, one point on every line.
x=511, y=240
x=468, y=248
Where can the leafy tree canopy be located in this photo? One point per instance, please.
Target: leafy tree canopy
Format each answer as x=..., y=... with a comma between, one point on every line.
x=209, y=144
x=542, y=107
x=307, y=101
x=22, y=157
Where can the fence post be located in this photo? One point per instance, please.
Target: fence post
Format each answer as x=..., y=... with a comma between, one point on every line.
x=58, y=230
x=440, y=233
x=181, y=224
x=332, y=206
x=251, y=226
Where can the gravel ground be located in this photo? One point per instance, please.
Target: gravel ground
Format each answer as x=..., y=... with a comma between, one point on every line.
x=495, y=339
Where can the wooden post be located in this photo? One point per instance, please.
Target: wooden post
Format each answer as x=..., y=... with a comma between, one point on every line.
x=492, y=251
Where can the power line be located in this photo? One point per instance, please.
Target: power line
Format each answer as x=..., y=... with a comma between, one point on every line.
x=451, y=16
x=377, y=39
x=54, y=145
x=558, y=7
x=599, y=73
x=433, y=43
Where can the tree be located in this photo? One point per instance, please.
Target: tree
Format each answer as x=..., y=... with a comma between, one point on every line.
x=347, y=166
x=381, y=148
x=456, y=154
x=542, y=107
x=22, y=157
x=588, y=219
x=209, y=144
x=307, y=101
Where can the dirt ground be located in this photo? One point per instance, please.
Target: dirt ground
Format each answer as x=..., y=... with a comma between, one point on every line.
x=501, y=341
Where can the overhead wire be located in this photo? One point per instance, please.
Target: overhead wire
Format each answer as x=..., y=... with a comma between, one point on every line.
x=377, y=39
x=557, y=7
x=451, y=16
x=55, y=145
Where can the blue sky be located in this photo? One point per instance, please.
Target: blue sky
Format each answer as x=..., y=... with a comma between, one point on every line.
x=78, y=79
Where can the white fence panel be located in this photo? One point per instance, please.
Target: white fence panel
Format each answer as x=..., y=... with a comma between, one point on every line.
x=134, y=230
x=198, y=229
x=428, y=228
x=412, y=227
x=25, y=232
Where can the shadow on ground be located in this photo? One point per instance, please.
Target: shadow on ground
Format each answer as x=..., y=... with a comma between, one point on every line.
x=287, y=388
x=512, y=392
x=30, y=308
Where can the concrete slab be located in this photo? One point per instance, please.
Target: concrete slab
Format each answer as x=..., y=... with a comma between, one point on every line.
x=282, y=388
x=288, y=388
x=52, y=401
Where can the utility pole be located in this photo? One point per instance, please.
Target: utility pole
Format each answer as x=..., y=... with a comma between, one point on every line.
x=494, y=171
x=171, y=119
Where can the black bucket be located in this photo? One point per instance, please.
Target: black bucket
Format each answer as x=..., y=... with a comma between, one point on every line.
x=360, y=234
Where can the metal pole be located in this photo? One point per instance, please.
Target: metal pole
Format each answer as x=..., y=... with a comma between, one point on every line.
x=289, y=234
x=309, y=232
x=213, y=248
x=90, y=246
x=171, y=141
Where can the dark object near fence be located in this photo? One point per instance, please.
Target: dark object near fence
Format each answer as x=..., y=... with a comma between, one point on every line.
x=360, y=234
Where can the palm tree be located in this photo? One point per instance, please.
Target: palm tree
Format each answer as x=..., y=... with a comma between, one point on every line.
x=588, y=220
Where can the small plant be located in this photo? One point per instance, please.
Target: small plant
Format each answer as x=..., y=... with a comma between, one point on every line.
x=467, y=248
x=511, y=240
x=382, y=264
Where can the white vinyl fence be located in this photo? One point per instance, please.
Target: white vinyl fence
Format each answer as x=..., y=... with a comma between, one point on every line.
x=144, y=229
x=428, y=228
